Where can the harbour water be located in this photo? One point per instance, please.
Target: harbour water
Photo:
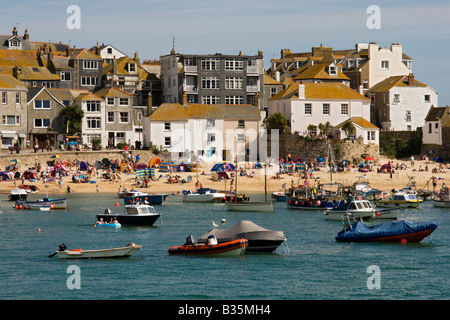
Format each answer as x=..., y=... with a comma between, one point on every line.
x=313, y=266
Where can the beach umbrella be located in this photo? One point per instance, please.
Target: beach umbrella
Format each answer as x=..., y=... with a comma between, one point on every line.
x=369, y=159
x=154, y=161
x=431, y=151
x=55, y=156
x=15, y=160
x=437, y=159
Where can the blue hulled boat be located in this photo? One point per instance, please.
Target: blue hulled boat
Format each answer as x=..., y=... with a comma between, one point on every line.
x=395, y=231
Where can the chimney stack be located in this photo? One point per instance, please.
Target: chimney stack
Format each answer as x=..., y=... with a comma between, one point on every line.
x=410, y=80
x=26, y=35
x=185, y=100
x=16, y=72
x=149, y=103
x=14, y=33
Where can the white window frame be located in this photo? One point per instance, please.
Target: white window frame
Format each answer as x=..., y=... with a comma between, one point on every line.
x=210, y=83
x=344, y=109
x=7, y=118
x=124, y=117
x=234, y=64
x=234, y=83
x=209, y=64
x=308, y=109
x=90, y=65
x=385, y=64
x=45, y=123
x=93, y=106
x=326, y=109
x=110, y=117
x=94, y=122
x=43, y=104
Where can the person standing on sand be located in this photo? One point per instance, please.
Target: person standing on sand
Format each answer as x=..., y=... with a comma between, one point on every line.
x=412, y=161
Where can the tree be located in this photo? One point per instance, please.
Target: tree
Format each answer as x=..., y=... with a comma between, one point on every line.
x=325, y=129
x=277, y=121
x=349, y=128
x=74, y=115
x=311, y=129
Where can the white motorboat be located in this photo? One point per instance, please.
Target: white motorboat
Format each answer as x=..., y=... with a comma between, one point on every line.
x=400, y=199
x=18, y=194
x=123, y=252
x=137, y=214
x=203, y=196
x=356, y=208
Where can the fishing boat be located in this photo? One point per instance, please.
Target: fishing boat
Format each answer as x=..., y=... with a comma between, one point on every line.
x=136, y=214
x=251, y=206
x=211, y=248
x=18, y=194
x=203, y=195
x=324, y=197
x=45, y=208
x=400, y=199
x=54, y=204
x=394, y=231
x=148, y=198
x=359, y=209
x=123, y=252
x=442, y=200
x=259, y=239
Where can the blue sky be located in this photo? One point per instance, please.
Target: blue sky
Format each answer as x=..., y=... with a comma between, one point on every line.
x=230, y=26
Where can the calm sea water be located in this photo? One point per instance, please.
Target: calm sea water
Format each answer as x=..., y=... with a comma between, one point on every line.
x=315, y=266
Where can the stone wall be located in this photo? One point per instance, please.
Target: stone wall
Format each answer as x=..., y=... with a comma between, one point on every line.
x=307, y=150
x=443, y=150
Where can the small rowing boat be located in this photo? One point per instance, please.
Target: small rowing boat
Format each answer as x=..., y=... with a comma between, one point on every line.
x=123, y=252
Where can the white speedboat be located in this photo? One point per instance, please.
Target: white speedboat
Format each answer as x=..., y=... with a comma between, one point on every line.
x=123, y=252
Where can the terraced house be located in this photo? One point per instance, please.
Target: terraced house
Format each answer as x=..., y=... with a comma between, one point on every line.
x=13, y=112
x=213, y=79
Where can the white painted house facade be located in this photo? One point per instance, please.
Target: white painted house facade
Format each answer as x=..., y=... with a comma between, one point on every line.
x=309, y=104
x=207, y=133
x=401, y=103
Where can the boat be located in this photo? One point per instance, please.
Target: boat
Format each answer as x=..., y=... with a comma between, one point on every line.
x=279, y=196
x=123, y=252
x=442, y=200
x=394, y=231
x=137, y=214
x=113, y=225
x=148, y=198
x=55, y=204
x=324, y=197
x=18, y=194
x=400, y=199
x=251, y=206
x=29, y=188
x=45, y=208
x=359, y=209
x=211, y=248
x=259, y=239
x=203, y=195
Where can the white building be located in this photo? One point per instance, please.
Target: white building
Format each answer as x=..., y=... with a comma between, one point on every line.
x=401, y=103
x=432, y=130
x=93, y=124
x=197, y=132
x=307, y=105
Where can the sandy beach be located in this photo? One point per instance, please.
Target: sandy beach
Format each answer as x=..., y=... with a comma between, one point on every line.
x=245, y=184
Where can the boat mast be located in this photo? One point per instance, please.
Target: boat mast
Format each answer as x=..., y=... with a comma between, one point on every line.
x=265, y=182
x=235, y=181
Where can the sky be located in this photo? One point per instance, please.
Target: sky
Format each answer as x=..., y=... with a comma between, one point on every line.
x=152, y=27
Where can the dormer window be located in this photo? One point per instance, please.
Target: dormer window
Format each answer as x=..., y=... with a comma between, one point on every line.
x=332, y=70
x=14, y=43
